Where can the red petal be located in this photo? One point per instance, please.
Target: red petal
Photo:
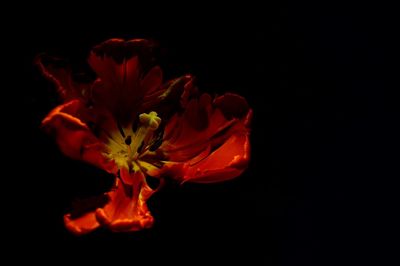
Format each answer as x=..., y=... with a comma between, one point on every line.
x=207, y=126
x=227, y=162
x=199, y=126
x=126, y=177
x=81, y=225
x=127, y=210
x=74, y=137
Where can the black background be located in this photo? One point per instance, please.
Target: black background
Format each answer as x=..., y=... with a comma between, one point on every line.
x=318, y=189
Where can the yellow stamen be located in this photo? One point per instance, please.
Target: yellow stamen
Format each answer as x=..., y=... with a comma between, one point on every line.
x=148, y=124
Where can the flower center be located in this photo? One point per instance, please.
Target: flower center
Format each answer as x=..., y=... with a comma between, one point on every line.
x=127, y=147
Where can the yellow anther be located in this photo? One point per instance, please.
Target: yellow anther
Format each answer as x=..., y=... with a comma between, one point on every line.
x=148, y=123
x=151, y=120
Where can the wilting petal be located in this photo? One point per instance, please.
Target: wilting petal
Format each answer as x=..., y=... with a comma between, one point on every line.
x=224, y=163
x=208, y=142
x=127, y=209
x=82, y=225
x=196, y=138
x=57, y=71
x=74, y=137
x=202, y=124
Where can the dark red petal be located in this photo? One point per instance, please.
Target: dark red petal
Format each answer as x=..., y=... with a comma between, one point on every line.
x=120, y=50
x=108, y=70
x=170, y=97
x=152, y=81
x=232, y=105
x=105, y=96
x=74, y=137
x=120, y=66
x=60, y=74
x=107, y=91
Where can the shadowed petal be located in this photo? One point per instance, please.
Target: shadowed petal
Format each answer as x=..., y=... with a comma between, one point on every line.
x=125, y=210
x=152, y=80
x=169, y=98
x=59, y=73
x=122, y=81
x=232, y=105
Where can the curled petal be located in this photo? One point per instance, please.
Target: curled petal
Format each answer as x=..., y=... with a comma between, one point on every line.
x=200, y=125
x=226, y=162
x=59, y=73
x=74, y=138
x=126, y=209
x=208, y=142
x=195, y=138
x=232, y=105
x=82, y=225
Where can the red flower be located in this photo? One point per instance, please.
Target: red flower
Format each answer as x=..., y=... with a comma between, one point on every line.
x=130, y=124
